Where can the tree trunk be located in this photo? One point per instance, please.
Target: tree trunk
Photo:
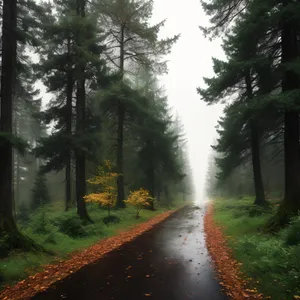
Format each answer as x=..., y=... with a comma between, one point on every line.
x=167, y=194
x=16, y=166
x=80, y=130
x=291, y=158
x=69, y=126
x=8, y=78
x=81, y=187
x=68, y=184
x=158, y=196
x=120, y=153
x=291, y=203
x=120, y=138
x=151, y=173
x=258, y=182
x=17, y=195
x=255, y=150
x=291, y=123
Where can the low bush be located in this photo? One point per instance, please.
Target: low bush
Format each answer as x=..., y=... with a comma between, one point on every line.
x=71, y=225
x=255, y=210
x=40, y=222
x=291, y=234
x=50, y=238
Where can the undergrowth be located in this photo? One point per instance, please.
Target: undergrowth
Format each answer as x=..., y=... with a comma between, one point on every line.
x=63, y=233
x=270, y=261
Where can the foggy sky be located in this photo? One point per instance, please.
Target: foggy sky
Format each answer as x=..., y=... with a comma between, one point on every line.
x=189, y=62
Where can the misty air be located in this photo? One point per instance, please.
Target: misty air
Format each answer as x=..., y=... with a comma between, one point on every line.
x=149, y=150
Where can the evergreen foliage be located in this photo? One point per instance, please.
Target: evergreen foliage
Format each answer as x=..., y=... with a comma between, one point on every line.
x=40, y=193
x=259, y=82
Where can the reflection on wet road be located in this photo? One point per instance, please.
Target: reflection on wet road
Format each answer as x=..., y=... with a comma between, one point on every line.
x=169, y=262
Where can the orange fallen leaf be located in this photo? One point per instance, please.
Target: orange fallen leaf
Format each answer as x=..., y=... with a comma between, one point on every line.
x=26, y=289
x=228, y=269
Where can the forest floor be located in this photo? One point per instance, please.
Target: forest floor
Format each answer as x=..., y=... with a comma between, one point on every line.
x=266, y=264
x=63, y=234
x=170, y=261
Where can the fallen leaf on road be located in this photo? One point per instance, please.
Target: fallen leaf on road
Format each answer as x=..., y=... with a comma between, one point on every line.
x=29, y=287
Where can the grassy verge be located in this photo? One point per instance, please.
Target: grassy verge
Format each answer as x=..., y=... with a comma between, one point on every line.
x=271, y=261
x=63, y=233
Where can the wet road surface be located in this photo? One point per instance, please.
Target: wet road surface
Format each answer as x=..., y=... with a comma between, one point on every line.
x=170, y=262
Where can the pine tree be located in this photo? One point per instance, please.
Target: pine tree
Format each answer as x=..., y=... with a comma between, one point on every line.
x=20, y=28
x=57, y=67
x=73, y=71
x=131, y=40
x=40, y=193
x=237, y=74
x=159, y=142
x=211, y=176
x=152, y=146
x=8, y=81
x=290, y=88
x=26, y=126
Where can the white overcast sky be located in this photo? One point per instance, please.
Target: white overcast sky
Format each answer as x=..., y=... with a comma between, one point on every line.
x=190, y=61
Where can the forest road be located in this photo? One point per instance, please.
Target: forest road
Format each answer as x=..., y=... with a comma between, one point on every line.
x=169, y=262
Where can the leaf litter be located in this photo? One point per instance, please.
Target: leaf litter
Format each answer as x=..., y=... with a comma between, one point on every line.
x=227, y=268
x=39, y=282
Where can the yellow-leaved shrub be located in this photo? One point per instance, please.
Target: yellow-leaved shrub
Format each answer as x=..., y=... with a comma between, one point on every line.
x=105, y=183
x=139, y=199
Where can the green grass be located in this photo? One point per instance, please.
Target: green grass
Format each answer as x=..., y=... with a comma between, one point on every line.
x=272, y=261
x=63, y=233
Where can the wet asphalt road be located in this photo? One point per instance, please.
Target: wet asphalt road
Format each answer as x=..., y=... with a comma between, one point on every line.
x=169, y=262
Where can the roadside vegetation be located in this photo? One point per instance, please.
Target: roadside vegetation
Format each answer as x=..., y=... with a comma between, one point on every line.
x=270, y=261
